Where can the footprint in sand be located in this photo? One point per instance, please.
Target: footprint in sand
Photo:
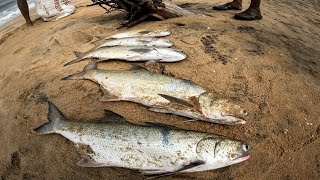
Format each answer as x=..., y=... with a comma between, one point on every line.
x=209, y=48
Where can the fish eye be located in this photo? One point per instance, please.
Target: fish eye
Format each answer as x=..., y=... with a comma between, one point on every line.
x=245, y=147
x=244, y=112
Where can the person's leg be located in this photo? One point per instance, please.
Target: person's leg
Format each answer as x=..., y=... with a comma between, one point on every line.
x=252, y=13
x=234, y=5
x=24, y=9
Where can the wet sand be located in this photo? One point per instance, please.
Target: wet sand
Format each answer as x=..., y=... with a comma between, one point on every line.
x=271, y=67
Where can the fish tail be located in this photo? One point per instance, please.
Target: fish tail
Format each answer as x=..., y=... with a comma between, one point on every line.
x=55, y=117
x=83, y=75
x=80, y=57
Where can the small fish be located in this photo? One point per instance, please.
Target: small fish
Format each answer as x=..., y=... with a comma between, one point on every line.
x=132, y=53
x=163, y=94
x=155, y=150
x=142, y=33
x=134, y=41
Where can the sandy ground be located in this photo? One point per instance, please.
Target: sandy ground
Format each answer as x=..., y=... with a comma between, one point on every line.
x=271, y=67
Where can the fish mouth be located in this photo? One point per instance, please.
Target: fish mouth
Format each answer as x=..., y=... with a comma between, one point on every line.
x=243, y=157
x=235, y=120
x=241, y=121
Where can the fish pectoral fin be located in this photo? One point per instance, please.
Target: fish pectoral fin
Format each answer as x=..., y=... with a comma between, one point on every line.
x=151, y=172
x=152, y=62
x=177, y=100
x=186, y=167
x=137, y=67
x=86, y=151
x=107, y=96
x=87, y=162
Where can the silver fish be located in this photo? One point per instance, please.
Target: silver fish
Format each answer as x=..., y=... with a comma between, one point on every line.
x=132, y=53
x=156, y=151
x=163, y=94
x=142, y=33
x=134, y=41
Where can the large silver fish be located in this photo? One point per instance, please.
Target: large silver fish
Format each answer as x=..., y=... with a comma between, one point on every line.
x=134, y=41
x=132, y=53
x=164, y=94
x=154, y=150
x=142, y=33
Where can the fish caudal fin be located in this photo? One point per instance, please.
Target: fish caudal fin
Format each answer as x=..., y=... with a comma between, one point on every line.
x=55, y=117
x=91, y=66
x=80, y=57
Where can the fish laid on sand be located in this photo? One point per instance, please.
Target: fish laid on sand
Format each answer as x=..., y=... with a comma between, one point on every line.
x=141, y=33
x=163, y=94
x=132, y=53
x=134, y=41
x=156, y=150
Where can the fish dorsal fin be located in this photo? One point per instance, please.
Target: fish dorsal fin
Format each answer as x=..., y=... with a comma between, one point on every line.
x=177, y=100
x=91, y=66
x=102, y=40
x=185, y=167
x=111, y=117
x=78, y=54
x=98, y=42
x=188, y=81
x=54, y=113
x=100, y=37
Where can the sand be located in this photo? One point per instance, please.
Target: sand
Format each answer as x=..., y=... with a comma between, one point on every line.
x=271, y=67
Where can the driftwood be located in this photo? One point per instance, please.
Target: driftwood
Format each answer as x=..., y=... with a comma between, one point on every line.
x=139, y=10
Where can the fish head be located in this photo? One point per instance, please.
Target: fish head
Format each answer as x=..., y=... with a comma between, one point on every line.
x=173, y=55
x=219, y=109
x=223, y=150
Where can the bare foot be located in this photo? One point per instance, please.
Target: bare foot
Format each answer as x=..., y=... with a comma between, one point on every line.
x=29, y=23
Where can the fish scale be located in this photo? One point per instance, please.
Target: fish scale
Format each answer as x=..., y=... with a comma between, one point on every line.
x=142, y=33
x=150, y=149
x=134, y=41
x=132, y=53
x=162, y=93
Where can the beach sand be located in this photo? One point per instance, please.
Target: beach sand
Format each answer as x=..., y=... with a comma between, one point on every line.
x=271, y=67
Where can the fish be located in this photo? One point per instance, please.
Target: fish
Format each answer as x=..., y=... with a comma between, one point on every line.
x=141, y=33
x=154, y=150
x=134, y=41
x=132, y=53
x=163, y=93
